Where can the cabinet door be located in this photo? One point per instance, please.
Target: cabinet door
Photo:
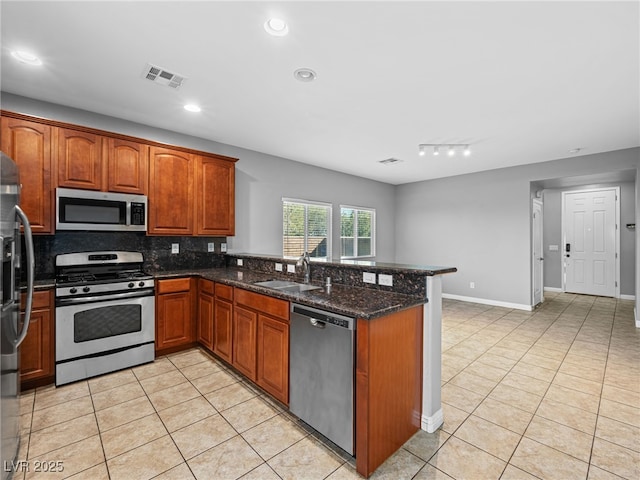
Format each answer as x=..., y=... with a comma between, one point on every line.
x=128, y=166
x=205, y=316
x=273, y=357
x=170, y=192
x=29, y=145
x=244, y=341
x=174, y=325
x=215, y=197
x=79, y=160
x=222, y=329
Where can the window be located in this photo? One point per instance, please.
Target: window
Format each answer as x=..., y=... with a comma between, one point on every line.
x=306, y=227
x=357, y=232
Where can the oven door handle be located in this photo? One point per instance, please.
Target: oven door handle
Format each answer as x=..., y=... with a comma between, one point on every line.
x=62, y=302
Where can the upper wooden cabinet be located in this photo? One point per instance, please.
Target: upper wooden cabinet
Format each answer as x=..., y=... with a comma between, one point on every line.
x=170, y=192
x=29, y=144
x=215, y=197
x=127, y=166
x=80, y=159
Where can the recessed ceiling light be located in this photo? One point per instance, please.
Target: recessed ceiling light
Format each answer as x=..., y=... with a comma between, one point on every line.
x=26, y=57
x=305, y=75
x=276, y=27
x=190, y=107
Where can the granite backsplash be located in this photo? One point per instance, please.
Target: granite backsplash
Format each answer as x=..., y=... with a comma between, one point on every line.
x=156, y=250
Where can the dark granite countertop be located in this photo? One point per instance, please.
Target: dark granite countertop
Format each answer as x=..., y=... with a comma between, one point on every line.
x=427, y=270
x=347, y=300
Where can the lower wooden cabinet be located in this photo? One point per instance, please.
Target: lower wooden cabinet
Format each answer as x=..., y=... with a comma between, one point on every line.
x=223, y=322
x=37, y=363
x=175, y=326
x=261, y=341
x=205, y=313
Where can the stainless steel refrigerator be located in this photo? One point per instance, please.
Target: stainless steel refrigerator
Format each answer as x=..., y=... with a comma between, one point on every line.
x=12, y=331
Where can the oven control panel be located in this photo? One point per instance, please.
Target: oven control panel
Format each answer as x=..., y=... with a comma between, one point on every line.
x=104, y=288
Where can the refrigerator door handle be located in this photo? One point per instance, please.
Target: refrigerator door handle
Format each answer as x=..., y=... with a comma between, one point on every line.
x=28, y=238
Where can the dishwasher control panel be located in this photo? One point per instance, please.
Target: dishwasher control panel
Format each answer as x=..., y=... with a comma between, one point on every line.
x=324, y=317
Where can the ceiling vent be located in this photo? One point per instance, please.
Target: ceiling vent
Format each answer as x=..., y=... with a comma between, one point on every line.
x=389, y=161
x=163, y=77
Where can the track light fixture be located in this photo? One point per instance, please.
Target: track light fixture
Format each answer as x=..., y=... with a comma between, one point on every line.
x=451, y=148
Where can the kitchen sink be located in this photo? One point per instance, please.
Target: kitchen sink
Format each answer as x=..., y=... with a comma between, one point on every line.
x=287, y=286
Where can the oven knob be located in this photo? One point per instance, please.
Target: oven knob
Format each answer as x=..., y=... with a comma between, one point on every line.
x=141, y=284
x=73, y=290
x=131, y=285
x=86, y=289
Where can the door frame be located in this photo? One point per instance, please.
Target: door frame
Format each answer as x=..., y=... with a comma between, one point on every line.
x=537, y=201
x=617, y=233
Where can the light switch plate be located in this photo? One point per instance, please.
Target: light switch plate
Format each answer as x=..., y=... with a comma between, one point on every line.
x=175, y=248
x=278, y=267
x=240, y=262
x=211, y=247
x=368, y=277
x=385, y=280
x=223, y=247
x=291, y=268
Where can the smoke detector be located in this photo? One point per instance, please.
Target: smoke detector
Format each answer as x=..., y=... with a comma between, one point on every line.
x=162, y=76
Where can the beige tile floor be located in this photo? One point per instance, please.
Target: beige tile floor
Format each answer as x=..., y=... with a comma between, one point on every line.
x=553, y=393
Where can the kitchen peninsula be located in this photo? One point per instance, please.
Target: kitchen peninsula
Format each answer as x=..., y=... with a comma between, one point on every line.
x=398, y=340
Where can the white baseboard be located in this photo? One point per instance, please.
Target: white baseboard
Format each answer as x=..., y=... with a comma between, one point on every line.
x=627, y=297
x=432, y=423
x=553, y=289
x=485, y=301
x=635, y=316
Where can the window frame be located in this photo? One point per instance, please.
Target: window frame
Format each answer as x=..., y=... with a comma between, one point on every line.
x=306, y=204
x=356, y=236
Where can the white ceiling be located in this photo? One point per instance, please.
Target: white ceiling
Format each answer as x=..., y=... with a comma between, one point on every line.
x=522, y=82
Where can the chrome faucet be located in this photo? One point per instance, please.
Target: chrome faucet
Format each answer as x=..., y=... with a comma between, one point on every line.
x=305, y=262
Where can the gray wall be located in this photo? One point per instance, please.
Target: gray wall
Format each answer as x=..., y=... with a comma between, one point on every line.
x=261, y=182
x=481, y=223
x=553, y=235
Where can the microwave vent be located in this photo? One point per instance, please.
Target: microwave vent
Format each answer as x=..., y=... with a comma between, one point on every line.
x=162, y=76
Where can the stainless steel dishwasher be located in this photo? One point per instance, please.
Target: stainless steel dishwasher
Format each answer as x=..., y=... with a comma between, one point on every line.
x=321, y=375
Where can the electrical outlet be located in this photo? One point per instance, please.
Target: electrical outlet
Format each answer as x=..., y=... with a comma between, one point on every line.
x=211, y=247
x=223, y=247
x=368, y=277
x=385, y=280
x=278, y=267
x=175, y=248
x=291, y=268
x=239, y=262
x=472, y=284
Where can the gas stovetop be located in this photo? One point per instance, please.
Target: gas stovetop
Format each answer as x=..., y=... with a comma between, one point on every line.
x=87, y=273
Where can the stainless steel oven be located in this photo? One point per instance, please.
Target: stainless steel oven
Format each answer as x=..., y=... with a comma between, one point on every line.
x=105, y=314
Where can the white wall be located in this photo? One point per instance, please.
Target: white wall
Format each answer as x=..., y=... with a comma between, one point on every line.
x=261, y=182
x=480, y=223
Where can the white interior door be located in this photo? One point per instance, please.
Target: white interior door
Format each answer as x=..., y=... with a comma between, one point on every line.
x=537, y=259
x=590, y=241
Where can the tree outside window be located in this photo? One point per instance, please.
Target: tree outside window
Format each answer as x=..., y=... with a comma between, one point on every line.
x=357, y=232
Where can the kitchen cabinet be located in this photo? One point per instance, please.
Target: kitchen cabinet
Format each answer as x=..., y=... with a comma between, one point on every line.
x=175, y=326
x=261, y=341
x=171, y=175
x=37, y=361
x=206, y=303
x=80, y=159
x=29, y=144
x=127, y=166
x=223, y=322
x=215, y=196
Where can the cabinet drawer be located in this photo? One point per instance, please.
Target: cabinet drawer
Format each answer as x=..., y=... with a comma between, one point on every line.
x=224, y=291
x=41, y=299
x=174, y=285
x=206, y=286
x=263, y=303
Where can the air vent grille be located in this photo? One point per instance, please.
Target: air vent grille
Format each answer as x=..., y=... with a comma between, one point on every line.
x=163, y=77
x=388, y=161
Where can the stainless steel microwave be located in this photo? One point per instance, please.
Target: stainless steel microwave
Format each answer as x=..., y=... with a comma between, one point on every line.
x=91, y=210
